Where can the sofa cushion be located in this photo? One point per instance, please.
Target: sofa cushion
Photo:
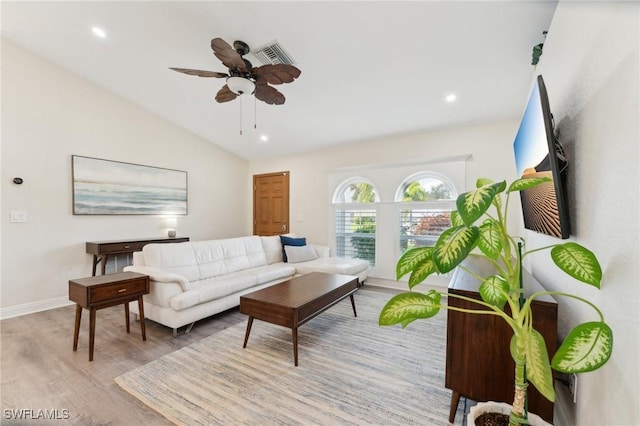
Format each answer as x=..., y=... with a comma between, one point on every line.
x=211, y=289
x=290, y=241
x=335, y=265
x=276, y=271
x=217, y=287
x=177, y=258
x=296, y=254
x=221, y=257
x=272, y=248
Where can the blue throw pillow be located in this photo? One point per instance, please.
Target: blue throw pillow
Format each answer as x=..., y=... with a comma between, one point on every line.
x=289, y=241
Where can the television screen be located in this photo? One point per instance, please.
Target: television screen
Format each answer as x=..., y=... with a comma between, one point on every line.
x=539, y=154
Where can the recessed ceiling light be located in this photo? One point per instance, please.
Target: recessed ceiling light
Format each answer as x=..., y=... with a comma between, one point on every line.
x=451, y=97
x=264, y=138
x=98, y=32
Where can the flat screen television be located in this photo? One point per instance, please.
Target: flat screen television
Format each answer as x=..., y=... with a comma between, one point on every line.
x=538, y=153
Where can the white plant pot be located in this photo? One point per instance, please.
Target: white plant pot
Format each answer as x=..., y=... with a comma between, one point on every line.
x=502, y=408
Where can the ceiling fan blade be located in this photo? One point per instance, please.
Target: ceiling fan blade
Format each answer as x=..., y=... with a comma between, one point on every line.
x=225, y=95
x=200, y=73
x=227, y=54
x=277, y=74
x=268, y=94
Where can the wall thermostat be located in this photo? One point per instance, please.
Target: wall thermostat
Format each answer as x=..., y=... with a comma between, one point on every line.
x=17, y=180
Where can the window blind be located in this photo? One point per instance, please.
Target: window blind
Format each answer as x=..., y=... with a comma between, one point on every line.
x=356, y=234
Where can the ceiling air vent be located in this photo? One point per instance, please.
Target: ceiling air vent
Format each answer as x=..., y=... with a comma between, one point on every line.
x=273, y=54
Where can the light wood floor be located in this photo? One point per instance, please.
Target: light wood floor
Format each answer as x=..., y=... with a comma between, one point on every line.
x=41, y=371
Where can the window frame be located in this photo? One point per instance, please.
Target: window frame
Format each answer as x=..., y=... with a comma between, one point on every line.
x=339, y=204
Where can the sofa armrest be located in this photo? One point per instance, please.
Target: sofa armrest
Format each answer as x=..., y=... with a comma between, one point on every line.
x=160, y=276
x=322, y=251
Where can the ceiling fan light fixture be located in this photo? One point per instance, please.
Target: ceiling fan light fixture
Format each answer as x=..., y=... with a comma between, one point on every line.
x=240, y=85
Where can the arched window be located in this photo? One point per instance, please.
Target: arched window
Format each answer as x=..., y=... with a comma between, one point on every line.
x=355, y=219
x=425, y=203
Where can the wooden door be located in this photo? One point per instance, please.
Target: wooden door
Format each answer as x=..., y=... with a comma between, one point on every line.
x=271, y=203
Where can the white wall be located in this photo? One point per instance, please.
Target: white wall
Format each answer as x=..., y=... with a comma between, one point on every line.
x=590, y=66
x=489, y=146
x=49, y=114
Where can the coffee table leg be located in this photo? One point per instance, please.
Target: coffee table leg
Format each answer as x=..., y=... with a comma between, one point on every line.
x=294, y=332
x=246, y=334
x=353, y=305
x=76, y=328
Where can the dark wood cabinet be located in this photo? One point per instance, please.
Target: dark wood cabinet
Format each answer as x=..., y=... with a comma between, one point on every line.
x=95, y=293
x=102, y=250
x=479, y=365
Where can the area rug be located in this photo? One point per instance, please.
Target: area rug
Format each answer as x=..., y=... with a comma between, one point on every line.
x=351, y=372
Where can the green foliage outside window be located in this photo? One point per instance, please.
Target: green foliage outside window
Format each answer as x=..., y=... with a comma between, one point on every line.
x=429, y=223
x=364, y=247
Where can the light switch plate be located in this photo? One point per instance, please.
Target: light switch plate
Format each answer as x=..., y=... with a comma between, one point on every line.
x=18, y=216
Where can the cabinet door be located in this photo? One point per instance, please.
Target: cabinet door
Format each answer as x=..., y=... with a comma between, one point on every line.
x=479, y=364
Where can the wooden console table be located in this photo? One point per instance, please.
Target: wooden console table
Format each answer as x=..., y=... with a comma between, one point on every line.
x=102, y=250
x=95, y=293
x=479, y=364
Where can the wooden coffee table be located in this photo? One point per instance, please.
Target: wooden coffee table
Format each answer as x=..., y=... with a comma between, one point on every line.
x=294, y=302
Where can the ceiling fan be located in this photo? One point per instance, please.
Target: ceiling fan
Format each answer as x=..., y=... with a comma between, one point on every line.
x=242, y=77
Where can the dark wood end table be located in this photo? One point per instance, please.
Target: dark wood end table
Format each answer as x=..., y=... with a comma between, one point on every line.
x=294, y=302
x=103, y=291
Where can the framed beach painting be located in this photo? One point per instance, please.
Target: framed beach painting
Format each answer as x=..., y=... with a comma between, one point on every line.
x=105, y=187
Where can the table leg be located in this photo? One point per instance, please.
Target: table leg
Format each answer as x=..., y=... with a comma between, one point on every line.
x=353, y=305
x=95, y=263
x=126, y=315
x=455, y=399
x=92, y=331
x=76, y=328
x=142, y=325
x=246, y=334
x=294, y=332
x=103, y=259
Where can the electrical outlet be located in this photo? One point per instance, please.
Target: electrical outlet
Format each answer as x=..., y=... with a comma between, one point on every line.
x=573, y=386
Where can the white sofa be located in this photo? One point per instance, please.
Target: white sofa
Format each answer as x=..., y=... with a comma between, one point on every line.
x=197, y=279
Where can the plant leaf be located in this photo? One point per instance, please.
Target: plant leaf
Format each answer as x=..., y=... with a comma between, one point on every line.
x=538, y=368
x=453, y=246
x=473, y=204
x=405, y=308
x=456, y=220
x=495, y=290
x=586, y=348
x=422, y=270
x=578, y=262
x=490, y=242
x=527, y=183
x=410, y=259
x=483, y=182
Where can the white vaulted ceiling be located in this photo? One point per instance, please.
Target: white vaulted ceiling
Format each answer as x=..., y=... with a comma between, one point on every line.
x=369, y=69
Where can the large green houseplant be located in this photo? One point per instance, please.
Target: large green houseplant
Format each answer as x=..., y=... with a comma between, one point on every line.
x=480, y=221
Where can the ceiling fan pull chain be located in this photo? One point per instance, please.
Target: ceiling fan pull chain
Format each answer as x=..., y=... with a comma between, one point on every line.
x=240, y=103
x=255, y=108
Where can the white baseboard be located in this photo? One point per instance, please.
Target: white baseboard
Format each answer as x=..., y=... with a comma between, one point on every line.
x=30, y=308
